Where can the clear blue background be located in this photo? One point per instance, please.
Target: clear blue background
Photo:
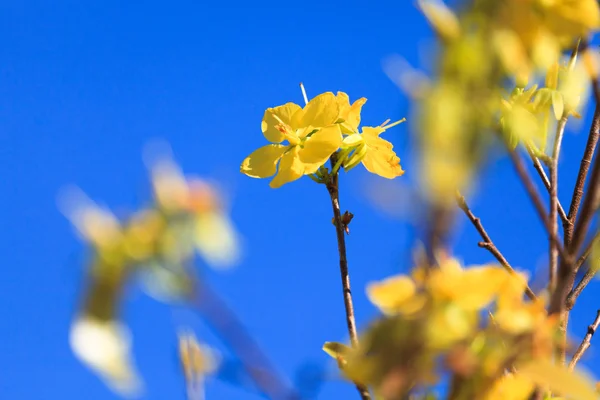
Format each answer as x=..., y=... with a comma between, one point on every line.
x=84, y=85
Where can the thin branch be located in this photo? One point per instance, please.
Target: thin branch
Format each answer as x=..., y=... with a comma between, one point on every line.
x=232, y=332
x=581, y=221
x=333, y=189
x=487, y=243
x=535, y=198
x=587, y=277
x=560, y=129
x=584, y=167
x=576, y=292
x=585, y=344
x=567, y=274
x=540, y=170
x=586, y=253
x=591, y=197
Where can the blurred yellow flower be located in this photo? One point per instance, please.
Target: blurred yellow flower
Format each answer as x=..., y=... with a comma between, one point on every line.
x=396, y=294
x=105, y=346
x=544, y=28
x=511, y=387
x=197, y=361
x=312, y=137
x=212, y=233
x=471, y=288
x=442, y=19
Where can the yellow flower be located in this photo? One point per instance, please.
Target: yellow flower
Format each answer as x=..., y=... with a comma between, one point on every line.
x=544, y=27
x=214, y=235
x=511, y=386
x=375, y=153
x=394, y=295
x=471, y=289
x=349, y=117
x=312, y=137
x=95, y=224
x=196, y=359
x=105, y=347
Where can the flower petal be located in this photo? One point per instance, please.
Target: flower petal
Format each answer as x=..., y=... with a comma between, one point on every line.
x=321, y=111
x=350, y=113
x=262, y=163
x=394, y=294
x=216, y=239
x=353, y=140
x=290, y=168
x=383, y=163
x=105, y=346
x=274, y=117
x=320, y=146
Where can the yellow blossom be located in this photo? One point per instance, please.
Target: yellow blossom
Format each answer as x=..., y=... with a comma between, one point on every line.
x=197, y=360
x=311, y=134
x=396, y=294
x=471, y=288
x=544, y=27
x=376, y=154
x=105, y=346
x=349, y=117
x=511, y=386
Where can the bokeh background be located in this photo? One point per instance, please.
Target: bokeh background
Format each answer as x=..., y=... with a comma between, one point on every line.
x=85, y=85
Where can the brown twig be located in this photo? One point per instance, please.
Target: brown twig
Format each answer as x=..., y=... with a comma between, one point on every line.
x=585, y=344
x=587, y=277
x=584, y=167
x=590, y=199
x=487, y=243
x=560, y=129
x=333, y=189
x=566, y=273
x=575, y=232
x=576, y=292
x=540, y=170
x=536, y=199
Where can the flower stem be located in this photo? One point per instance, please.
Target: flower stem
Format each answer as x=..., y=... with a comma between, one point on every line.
x=332, y=188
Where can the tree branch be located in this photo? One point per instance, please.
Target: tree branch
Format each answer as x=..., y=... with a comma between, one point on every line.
x=232, y=332
x=487, y=243
x=585, y=344
x=333, y=189
x=560, y=129
x=566, y=273
x=536, y=199
x=589, y=274
x=540, y=170
x=584, y=167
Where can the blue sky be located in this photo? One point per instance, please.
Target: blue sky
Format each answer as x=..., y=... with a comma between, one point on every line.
x=85, y=85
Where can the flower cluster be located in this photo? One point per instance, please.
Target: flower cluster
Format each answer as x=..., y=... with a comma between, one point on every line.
x=533, y=33
x=526, y=114
x=303, y=139
x=156, y=244
x=484, y=46
x=473, y=322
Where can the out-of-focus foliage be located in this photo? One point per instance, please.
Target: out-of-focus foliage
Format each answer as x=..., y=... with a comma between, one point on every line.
x=157, y=245
x=467, y=330
x=482, y=47
x=328, y=124
x=467, y=326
